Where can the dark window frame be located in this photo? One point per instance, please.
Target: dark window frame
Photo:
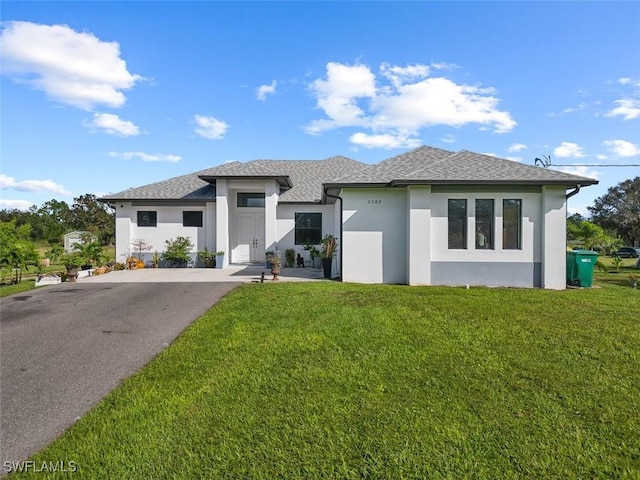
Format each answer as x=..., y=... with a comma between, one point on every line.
x=456, y=221
x=147, y=218
x=508, y=224
x=244, y=199
x=310, y=233
x=196, y=221
x=485, y=221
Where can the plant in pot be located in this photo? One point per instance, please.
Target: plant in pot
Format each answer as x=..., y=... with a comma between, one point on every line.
x=290, y=256
x=268, y=255
x=219, y=259
x=314, y=253
x=155, y=259
x=275, y=267
x=329, y=247
x=208, y=258
x=177, y=252
x=72, y=261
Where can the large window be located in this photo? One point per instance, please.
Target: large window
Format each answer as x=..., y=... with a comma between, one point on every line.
x=511, y=224
x=484, y=223
x=147, y=218
x=308, y=228
x=251, y=200
x=191, y=219
x=457, y=223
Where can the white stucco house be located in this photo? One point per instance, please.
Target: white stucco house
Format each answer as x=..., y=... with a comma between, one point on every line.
x=426, y=217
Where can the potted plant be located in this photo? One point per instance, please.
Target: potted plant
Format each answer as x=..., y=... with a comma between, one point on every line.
x=177, y=252
x=208, y=258
x=155, y=259
x=219, y=259
x=315, y=257
x=290, y=256
x=140, y=245
x=268, y=255
x=275, y=267
x=329, y=247
x=72, y=261
x=306, y=252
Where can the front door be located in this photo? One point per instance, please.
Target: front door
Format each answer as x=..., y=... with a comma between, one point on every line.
x=249, y=238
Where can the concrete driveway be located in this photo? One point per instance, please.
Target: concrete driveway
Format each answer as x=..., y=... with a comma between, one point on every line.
x=64, y=347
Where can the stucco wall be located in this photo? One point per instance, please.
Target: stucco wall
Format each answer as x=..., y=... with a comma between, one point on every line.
x=374, y=236
x=494, y=267
x=169, y=225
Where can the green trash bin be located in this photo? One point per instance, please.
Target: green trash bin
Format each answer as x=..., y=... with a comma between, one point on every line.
x=580, y=265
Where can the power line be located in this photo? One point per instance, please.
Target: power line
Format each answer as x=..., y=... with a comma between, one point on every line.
x=545, y=161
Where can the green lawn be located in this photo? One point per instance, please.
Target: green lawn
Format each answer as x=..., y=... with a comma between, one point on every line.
x=330, y=380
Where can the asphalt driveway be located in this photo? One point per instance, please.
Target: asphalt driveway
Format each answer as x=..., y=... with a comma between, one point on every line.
x=64, y=347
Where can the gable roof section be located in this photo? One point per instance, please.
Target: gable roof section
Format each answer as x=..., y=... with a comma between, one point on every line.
x=426, y=165
x=301, y=179
x=185, y=187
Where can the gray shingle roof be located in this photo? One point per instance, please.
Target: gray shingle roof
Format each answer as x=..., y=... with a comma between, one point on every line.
x=432, y=165
x=185, y=187
x=306, y=177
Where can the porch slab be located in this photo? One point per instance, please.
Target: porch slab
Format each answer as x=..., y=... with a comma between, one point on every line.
x=232, y=273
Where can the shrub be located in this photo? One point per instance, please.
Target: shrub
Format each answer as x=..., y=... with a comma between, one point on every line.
x=177, y=251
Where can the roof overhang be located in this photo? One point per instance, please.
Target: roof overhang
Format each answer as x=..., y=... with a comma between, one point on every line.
x=283, y=180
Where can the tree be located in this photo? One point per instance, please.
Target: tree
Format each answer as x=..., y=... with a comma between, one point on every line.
x=619, y=210
x=17, y=251
x=93, y=216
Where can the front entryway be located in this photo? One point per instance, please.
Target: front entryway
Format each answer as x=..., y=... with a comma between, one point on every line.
x=250, y=241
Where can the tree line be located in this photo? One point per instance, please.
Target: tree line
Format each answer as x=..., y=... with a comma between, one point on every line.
x=49, y=222
x=615, y=219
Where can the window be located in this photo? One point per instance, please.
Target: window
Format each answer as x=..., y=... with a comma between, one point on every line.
x=484, y=224
x=511, y=224
x=251, y=200
x=191, y=219
x=308, y=228
x=147, y=218
x=457, y=223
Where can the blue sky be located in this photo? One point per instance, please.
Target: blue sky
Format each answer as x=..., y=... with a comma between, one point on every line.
x=98, y=97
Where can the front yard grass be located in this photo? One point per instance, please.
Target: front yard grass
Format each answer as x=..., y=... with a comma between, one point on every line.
x=330, y=380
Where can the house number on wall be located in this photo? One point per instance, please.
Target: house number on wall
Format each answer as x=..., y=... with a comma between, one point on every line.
x=374, y=202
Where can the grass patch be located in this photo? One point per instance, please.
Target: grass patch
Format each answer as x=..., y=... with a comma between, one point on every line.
x=23, y=286
x=329, y=380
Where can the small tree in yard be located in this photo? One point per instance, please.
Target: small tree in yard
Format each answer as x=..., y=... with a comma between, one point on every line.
x=177, y=251
x=140, y=245
x=17, y=251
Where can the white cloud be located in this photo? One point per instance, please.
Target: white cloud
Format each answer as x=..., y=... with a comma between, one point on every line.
x=601, y=157
x=449, y=138
x=112, y=124
x=622, y=148
x=515, y=159
x=568, y=150
x=15, y=204
x=147, y=157
x=627, y=108
x=75, y=68
x=385, y=140
x=47, y=186
x=210, y=127
x=578, y=170
x=517, y=147
x=490, y=154
x=629, y=81
x=264, y=90
x=400, y=102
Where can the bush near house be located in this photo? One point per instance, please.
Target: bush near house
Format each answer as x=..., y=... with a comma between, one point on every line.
x=362, y=381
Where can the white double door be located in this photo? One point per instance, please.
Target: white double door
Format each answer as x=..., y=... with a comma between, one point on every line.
x=249, y=238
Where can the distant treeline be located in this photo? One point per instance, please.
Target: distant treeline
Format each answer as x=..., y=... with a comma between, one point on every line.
x=54, y=218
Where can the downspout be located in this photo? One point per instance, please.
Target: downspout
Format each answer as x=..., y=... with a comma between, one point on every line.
x=571, y=194
x=340, y=258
